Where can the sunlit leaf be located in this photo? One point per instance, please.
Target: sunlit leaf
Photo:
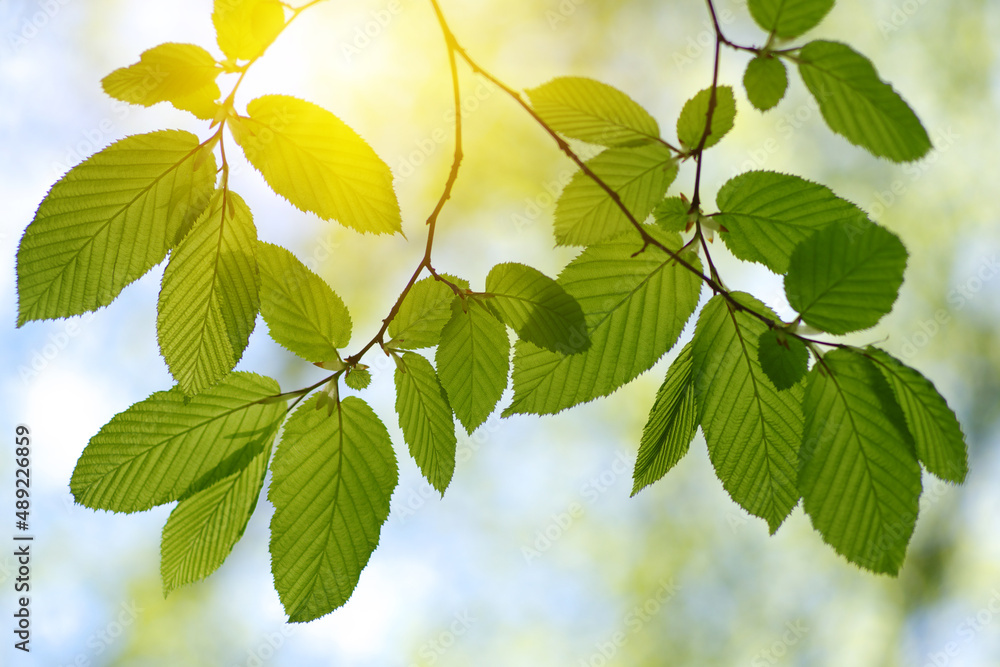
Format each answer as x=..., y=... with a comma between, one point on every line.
x=244, y=28
x=473, y=360
x=426, y=420
x=766, y=81
x=635, y=306
x=672, y=214
x=694, y=117
x=789, y=18
x=859, y=478
x=592, y=111
x=109, y=221
x=936, y=432
x=171, y=446
x=767, y=215
x=210, y=295
x=585, y=213
x=319, y=164
x=672, y=423
x=783, y=358
x=857, y=104
x=332, y=480
x=302, y=313
x=202, y=529
x=846, y=277
x=535, y=306
x=424, y=312
x=753, y=430
x=182, y=74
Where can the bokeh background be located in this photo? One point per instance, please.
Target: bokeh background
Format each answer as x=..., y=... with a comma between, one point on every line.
x=536, y=555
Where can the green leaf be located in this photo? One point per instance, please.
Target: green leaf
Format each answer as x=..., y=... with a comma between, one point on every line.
x=310, y=157
x=332, y=480
x=857, y=104
x=182, y=74
x=789, y=18
x=210, y=295
x=592, y=111
x=768, y=214
x=425, y=418
x=936, y=432
x=765, y=80
x=109, y=221
x=535, y=306
x=245, y=28
x=424, y=312
x=844, y=277
x=358, y=378
x=202, y=529
x=753, y=430
x=585, y=213
x=859, y=478
x=672, y=215
x=671, y=426
x=783, y=358
x=171, y=446
x=635, y=302
x=694, y=116
x=302, y=313
x=473, y=360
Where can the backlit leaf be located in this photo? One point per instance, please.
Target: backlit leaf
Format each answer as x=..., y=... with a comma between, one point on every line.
x=846, y=277
x=332, y=480
x=302, y=313
x=473, y=360
x=202, y=529
x=109, y=221
x=535, y=306
x=635, y=306
x=694, y=117
x=210, y=295
x=182, y=74
x=585, y=213
x=936, y=432
x=783, y=358
x=426, y=420
x=592, y=111
x=766, y=81
x=859, y=478
x=767, y=214
x=424, y=312
x=789, y=18
x=858, y=105
x=171, y=446
x=310, y=157
x=672, y=424
x=244, y=28
x=753, y=430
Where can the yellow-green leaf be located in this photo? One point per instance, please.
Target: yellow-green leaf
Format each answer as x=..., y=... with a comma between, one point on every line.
x=210, y=295
x=244, y=28
x=310, y=157
x=182, y=74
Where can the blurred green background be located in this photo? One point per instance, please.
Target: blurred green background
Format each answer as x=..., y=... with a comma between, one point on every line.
x=536, y=555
